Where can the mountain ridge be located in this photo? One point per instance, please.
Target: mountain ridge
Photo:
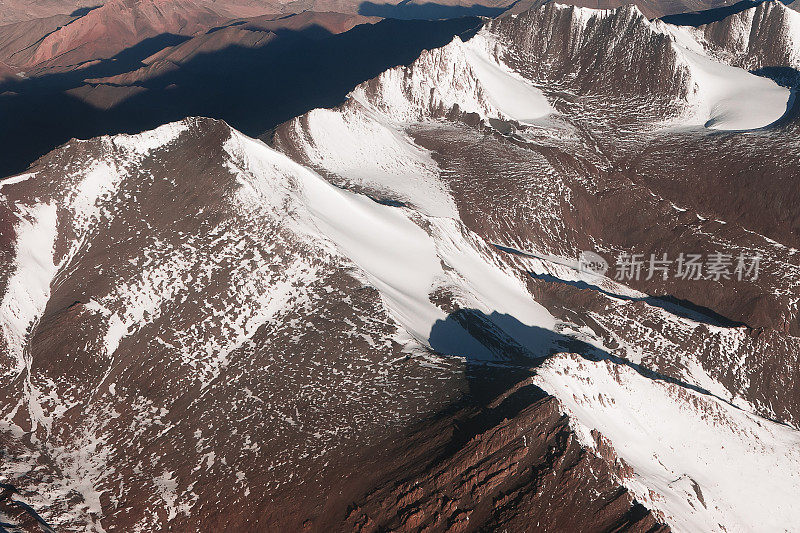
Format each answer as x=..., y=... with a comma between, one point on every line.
x=203, y=330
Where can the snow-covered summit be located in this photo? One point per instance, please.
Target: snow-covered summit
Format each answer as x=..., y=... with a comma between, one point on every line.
x=461, y=77
x=620, y=52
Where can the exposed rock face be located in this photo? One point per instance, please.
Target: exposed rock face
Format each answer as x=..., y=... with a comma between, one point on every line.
x=377, y=321
x=13, y=11
x=513, y=465
x=559, y=44
x=16, y=40
x=601, y=174
x=764, y=36
x=117, y=25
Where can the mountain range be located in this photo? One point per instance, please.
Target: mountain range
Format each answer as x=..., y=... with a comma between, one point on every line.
x=321, y=272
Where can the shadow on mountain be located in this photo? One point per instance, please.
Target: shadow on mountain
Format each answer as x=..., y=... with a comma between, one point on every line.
x=253, y=89
x=784, y=76
x=500, y=340
x=707, y=16
x=499, y=337
x=486, y=385
x=670, y=304
x=26, y=516
x=427, y=11
x=81, y=11
x=698, y=18
x=126, y=61
x=790, y=118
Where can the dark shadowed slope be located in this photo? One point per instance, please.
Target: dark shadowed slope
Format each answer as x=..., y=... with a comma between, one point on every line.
x=427, y=10
x=651, y=8
x=707, y=16
x=253, y=89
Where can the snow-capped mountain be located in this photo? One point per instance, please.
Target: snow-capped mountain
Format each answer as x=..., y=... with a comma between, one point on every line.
x=764, y=36
x=376, y=319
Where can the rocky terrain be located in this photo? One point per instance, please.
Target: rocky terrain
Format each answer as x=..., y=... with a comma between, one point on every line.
x=373, y=317
x=116, y=29
x=39, y=37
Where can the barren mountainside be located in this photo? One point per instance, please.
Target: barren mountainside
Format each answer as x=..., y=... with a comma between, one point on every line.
x=374, y=318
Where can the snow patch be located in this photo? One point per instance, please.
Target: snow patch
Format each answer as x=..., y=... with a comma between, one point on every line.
x=513, y=95
x=17, y=179
x=28, y=289
x=747, y=468
x=730, y=98
x=468, y=75
x=725, y=97
x=144, y=143
x=366, y=150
